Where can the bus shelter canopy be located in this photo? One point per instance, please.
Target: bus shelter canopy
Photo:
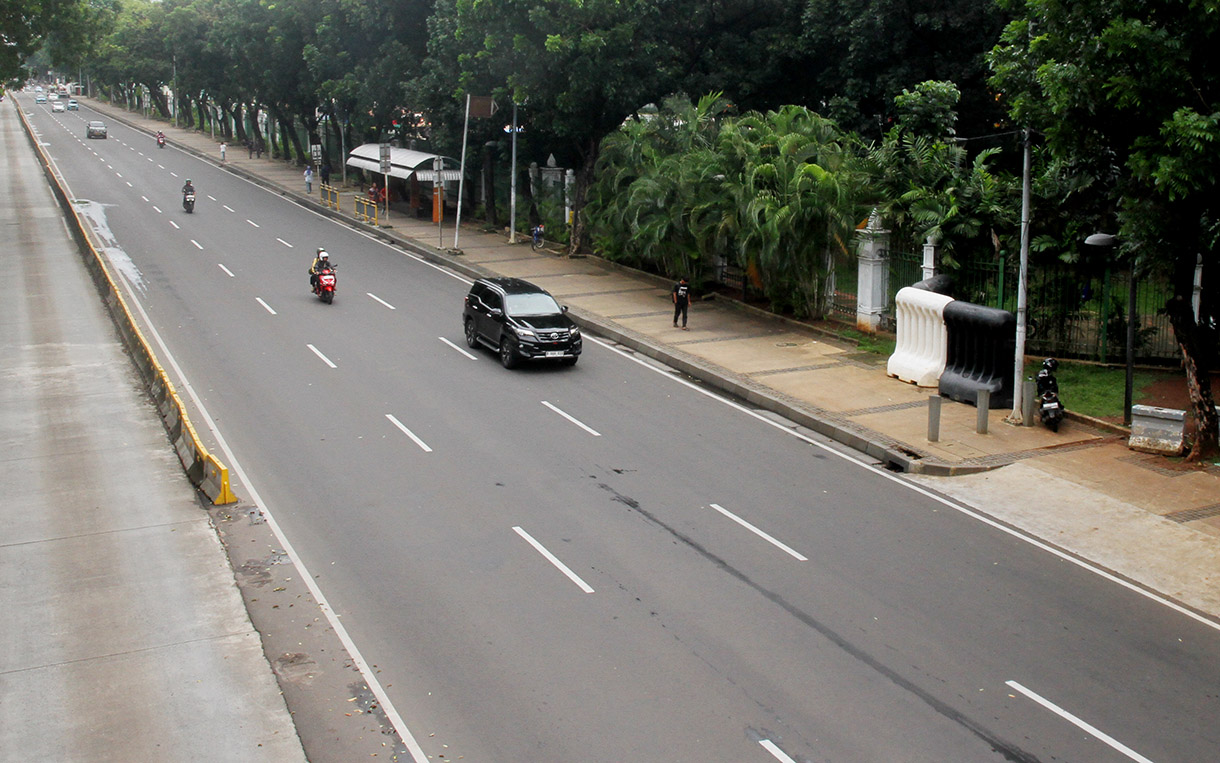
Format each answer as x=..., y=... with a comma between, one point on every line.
x=404, y=163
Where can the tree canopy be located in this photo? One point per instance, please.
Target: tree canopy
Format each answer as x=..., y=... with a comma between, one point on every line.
x=1128, y=99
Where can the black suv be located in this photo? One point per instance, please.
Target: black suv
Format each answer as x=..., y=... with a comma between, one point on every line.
x=520, y=321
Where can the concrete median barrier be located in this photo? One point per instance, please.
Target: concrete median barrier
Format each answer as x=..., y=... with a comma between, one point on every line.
x=203, y=469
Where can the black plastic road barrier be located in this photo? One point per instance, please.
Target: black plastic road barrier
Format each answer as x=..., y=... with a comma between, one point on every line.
x=982, y=343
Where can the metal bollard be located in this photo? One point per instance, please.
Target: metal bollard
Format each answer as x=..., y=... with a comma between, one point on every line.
x=984, y=407
x=1029, y=397
x=934, y=418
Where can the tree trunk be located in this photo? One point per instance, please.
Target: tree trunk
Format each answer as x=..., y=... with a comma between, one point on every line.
x=1198, y=381
x=187, y=108
x=489, y=185
x=525, y=187
x=161, y=102
x=295, y=139
x=238, y=124
x=584, y=178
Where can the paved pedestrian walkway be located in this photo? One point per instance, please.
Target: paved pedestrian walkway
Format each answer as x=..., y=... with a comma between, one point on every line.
x=124, y=636
x=1079, y=488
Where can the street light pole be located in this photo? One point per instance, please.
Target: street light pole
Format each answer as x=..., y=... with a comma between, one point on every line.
x=1018, y=388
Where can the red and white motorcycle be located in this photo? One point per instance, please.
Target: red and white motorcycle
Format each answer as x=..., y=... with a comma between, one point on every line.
x=324, y=285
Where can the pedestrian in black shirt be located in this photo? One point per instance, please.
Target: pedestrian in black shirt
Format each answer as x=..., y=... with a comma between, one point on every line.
x=681, y=297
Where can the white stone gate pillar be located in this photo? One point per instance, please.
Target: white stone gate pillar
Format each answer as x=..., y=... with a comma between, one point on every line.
x=873, y=274
x=929, y=258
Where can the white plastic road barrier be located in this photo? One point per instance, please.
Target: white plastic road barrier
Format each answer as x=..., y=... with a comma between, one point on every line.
x=923, y=343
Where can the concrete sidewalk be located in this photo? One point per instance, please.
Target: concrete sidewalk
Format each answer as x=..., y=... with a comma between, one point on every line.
x=124, y=637
x=1080, y=488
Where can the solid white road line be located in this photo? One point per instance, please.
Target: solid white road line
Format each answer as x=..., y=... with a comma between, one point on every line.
x=551, y=558
x=884, y=473
x=226, y=270
x=332, y=617
x=318, y=352
x=268, y=308
x=459, y=349
x=256, y=225
x=379, y=299
x=423, y=445
x=1085, y=726
x=198, y=245
x=282, y=241
x=758, y=532
x=591, y=431
x=779, y=754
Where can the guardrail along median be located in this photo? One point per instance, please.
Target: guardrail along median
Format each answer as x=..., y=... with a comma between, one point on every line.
x=203, y=469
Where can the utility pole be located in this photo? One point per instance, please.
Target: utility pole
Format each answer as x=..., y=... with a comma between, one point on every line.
x=512, y=185
x=1022, y=308
x=457, y=224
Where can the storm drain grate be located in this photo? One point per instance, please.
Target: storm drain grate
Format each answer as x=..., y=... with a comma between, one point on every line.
x=1192, y=515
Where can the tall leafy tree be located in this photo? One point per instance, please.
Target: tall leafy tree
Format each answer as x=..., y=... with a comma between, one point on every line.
x=1126, y=93
x=582, y=67
x=364, y=55
x=800, y=197
x=25, y=25
x=137, y=51
x=866, y=52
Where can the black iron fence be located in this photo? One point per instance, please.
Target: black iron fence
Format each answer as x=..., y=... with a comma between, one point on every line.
x=1073, y=311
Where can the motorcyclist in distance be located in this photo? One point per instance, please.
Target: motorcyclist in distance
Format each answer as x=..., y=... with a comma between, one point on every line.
x=188, y=188
x=321, y=261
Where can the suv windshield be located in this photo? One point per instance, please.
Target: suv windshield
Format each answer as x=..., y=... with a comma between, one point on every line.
x=530, y=304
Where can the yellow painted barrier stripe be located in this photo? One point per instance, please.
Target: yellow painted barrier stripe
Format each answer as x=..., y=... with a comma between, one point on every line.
x=204, y=470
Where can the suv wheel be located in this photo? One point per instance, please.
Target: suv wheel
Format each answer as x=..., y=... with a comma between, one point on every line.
x=508, y=353
x=472, y=338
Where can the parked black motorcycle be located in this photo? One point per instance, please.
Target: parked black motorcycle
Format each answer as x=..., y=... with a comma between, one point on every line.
x=1050, y=409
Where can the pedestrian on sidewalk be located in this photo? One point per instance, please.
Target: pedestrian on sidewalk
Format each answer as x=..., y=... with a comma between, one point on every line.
x=249, y=149
x=681, y=297
x=325, y=173
x=223, y=146
x=309, y=180
x=258, y=148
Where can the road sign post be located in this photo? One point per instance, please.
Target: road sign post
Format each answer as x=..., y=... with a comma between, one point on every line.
x=438, y=200
x=385, y=173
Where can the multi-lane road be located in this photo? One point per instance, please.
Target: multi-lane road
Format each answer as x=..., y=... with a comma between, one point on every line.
x=605, y=562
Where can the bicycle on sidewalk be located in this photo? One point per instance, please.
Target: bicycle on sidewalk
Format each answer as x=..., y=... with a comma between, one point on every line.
x=536, y=236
